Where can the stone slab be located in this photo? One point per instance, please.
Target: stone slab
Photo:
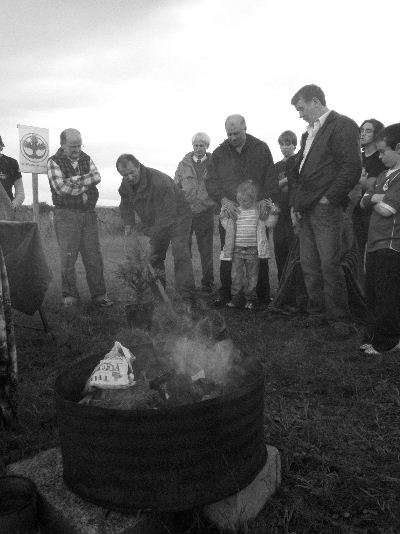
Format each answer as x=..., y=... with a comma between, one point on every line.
x=63, y=512
x=233, y=513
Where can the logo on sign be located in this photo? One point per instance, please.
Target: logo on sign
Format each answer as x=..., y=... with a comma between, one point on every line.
x=34, y=147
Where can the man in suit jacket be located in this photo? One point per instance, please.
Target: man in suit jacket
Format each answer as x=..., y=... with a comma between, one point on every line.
x=328, y=167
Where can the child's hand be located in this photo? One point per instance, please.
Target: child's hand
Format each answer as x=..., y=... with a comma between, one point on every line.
x=230, y=208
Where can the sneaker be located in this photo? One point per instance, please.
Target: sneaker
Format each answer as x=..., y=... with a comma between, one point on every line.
x=230, y=304
x=69, y=301
x=102, y=302
x=369, y=350
x=250, y=306
x=364, y=346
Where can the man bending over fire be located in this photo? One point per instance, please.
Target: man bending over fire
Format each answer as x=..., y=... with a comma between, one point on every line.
x=165, y=216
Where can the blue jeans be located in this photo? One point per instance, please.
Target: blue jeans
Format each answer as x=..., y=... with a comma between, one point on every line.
x=320, y=255
x=77, y=232
x=245, y=272
x=203, y=228
x=225, y=267
x=382, y=288
x=178, y=235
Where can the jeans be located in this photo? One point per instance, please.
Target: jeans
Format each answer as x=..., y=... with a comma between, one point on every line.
x=77, y=232
x=203, y=228
x=245, y=272
x=178, y=235
x=320, y=255
x=382, y=291
x=225, y=268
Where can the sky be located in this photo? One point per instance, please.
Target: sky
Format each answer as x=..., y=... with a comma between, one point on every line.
x=143, y=76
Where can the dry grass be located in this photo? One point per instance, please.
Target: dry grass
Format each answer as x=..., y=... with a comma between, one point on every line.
x=332, y=413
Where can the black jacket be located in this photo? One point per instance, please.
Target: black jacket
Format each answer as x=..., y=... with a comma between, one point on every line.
x=157, y=200
x=226, y=169
x=332, y=166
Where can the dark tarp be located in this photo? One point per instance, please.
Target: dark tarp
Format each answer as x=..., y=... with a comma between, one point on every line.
x=27, y=270
x=292, y=281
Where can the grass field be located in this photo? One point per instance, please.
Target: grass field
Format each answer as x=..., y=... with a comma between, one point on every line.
x=332, y=413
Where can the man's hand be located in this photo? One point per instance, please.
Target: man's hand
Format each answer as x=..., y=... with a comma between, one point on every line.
x=363, y=178
x=295, y=216
x=377, y=198
x=230, y=207
x=365, y=200
x=283, y=181
x=324, y=200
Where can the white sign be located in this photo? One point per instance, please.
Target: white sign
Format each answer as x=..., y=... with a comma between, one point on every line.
x=33, y=149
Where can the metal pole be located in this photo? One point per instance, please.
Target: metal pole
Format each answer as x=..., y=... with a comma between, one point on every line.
x=35, y=197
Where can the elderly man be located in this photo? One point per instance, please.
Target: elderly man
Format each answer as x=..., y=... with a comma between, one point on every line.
x=10, y=179
x=239, y=158
x=190, y=176
x=165, y=217
x=328, y=167
x=73, y=178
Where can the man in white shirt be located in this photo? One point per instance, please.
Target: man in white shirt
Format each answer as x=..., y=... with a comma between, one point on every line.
x=329, y=167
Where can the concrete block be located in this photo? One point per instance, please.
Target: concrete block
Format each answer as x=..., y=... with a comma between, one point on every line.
x=63, y=512
x=234, y=512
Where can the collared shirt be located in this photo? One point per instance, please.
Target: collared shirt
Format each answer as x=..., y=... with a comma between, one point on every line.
x=312, y=132
x=75, y=185
x=199, y=160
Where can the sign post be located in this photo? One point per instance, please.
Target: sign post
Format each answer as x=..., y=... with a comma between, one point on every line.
x=33, y=154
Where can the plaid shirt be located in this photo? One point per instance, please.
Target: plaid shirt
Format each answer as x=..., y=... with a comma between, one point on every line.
x=74, y=185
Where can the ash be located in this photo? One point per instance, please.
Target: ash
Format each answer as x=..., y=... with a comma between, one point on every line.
x=185, y=357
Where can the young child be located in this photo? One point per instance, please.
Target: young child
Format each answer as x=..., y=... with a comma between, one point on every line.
x=283, y=232
x=382, y=283
x=246, y=241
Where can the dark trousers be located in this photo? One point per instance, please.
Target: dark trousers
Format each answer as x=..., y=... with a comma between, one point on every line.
x=320, y=254
x=77, y=232
x=360, y=219
x=382, y=291
x=281, y=251
x=178, y=236
x=203, y=229
x=225, y=268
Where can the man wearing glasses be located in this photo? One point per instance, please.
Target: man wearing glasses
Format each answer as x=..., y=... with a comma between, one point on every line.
x=239, y=158
x=73, y=178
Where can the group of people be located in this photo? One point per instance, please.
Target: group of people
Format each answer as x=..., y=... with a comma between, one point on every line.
x=341, y=174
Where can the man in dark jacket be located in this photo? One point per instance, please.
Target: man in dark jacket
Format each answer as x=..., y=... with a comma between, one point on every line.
x=239, y=158
x=328, y=167
x=165, y=216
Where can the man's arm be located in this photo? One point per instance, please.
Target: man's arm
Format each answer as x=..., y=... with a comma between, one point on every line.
x=75, y=185
x=125, y=207
x=345, y=148
x=19, y=196
x=388, y=204
x=213, y=180
x=270, y=179
x=165, y=210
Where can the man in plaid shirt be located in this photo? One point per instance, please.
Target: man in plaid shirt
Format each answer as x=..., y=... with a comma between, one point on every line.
x=73, y=177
